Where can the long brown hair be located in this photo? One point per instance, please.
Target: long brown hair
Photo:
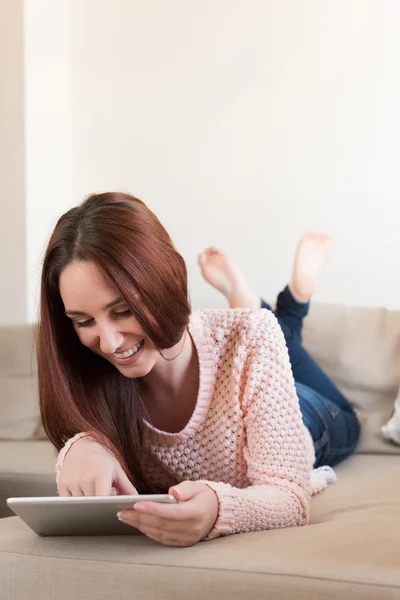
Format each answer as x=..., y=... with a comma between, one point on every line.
x=79, y=390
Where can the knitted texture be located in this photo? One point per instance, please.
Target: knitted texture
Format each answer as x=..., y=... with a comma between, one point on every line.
x=64, y=451
x=245, y=439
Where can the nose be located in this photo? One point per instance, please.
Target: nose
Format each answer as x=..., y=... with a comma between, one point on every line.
x=110, y=338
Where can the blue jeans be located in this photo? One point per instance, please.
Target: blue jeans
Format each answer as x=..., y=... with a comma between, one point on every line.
x=327, y=414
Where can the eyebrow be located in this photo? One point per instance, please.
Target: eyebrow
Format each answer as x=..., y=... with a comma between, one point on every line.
x=106, y=307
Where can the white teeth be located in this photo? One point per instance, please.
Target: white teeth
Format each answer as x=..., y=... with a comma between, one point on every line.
x=129, y=352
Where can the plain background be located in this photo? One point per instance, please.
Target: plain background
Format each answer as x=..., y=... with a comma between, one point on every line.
x=241, y=123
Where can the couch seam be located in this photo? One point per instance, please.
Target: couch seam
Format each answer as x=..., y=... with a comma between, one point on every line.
x=314, y=578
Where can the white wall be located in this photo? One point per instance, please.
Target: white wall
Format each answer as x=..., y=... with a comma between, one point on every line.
x=240, y=122
x=246, y=123
x=48, y=130
x=12, y=165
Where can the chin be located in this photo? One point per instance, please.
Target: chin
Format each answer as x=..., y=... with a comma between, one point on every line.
x=135, y=372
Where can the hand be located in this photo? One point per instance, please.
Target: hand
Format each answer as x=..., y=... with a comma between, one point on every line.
x=89, y=469
x=181, y=524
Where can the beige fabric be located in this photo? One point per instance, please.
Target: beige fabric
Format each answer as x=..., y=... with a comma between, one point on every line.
x=19, y=412
x=351, y=550
x=27, y=468
x=40, y=433
x=36, y=456
x=359, y=348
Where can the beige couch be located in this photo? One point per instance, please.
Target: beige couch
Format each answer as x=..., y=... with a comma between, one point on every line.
x=351, y=549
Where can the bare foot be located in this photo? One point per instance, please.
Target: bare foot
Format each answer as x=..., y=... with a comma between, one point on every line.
x=312, y=253
x=222, y=273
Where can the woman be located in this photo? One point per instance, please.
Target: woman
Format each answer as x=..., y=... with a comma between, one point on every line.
x=142, y=395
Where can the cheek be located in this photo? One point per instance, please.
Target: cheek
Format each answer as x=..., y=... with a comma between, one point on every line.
x=153, y=354
x=86, y=338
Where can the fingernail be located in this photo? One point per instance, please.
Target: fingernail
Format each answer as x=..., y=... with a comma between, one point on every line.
x=140, y=507
x=119, y=515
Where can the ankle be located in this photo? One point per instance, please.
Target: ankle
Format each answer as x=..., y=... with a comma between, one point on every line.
x=243, y=297
x=297, y=295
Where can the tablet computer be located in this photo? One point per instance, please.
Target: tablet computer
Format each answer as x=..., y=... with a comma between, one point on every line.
x=79, y=515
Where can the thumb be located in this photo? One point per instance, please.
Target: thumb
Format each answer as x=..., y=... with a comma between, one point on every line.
x=184, y=491
x=123, y=485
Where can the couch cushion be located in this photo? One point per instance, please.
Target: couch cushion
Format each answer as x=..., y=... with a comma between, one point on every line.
x=19, y=411
x=27, y=468
x=31, y=456
x=359, y=348
x=350, y=550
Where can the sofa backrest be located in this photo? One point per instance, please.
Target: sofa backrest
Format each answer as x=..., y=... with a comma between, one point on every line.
x=19, y=413
x=359, y=348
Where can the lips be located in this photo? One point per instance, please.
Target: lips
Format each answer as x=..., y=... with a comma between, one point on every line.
x=129, y=356
x=129, y=352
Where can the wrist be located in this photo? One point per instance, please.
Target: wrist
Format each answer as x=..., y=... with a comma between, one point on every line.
x=65, y=449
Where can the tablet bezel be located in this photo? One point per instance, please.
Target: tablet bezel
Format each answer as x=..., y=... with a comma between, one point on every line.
x=79, y=515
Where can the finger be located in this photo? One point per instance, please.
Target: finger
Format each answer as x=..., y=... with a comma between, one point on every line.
x=155, y=534
x=174, y=512
x=123, y=485
x=185, y=490
x=155, y=538
x=167, y=540
x=102, y=486
x=161, y=535
x=76, y=491
x=132, y=518
x=63, y=491
x=88, y=488
x=169, y=533
x=89, y=491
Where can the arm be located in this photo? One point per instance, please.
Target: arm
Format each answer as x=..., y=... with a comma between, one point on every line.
x=277, y=450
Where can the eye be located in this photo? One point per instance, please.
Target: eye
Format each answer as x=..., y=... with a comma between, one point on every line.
x=122, y=314
x=80, y=324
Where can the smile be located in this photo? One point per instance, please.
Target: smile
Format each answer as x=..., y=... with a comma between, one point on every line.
x=130, y=352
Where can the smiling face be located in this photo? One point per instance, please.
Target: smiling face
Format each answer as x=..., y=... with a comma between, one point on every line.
x=104, y=322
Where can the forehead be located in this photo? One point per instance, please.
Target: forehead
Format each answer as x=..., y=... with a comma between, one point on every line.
x=83, y=287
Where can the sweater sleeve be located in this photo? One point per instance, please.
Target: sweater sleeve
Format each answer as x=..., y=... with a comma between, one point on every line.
x=277, y=450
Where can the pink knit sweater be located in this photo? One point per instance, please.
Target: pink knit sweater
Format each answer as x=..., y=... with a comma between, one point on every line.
x=246, y=439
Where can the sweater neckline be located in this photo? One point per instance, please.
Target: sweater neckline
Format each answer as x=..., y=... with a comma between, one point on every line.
x=202, y=346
